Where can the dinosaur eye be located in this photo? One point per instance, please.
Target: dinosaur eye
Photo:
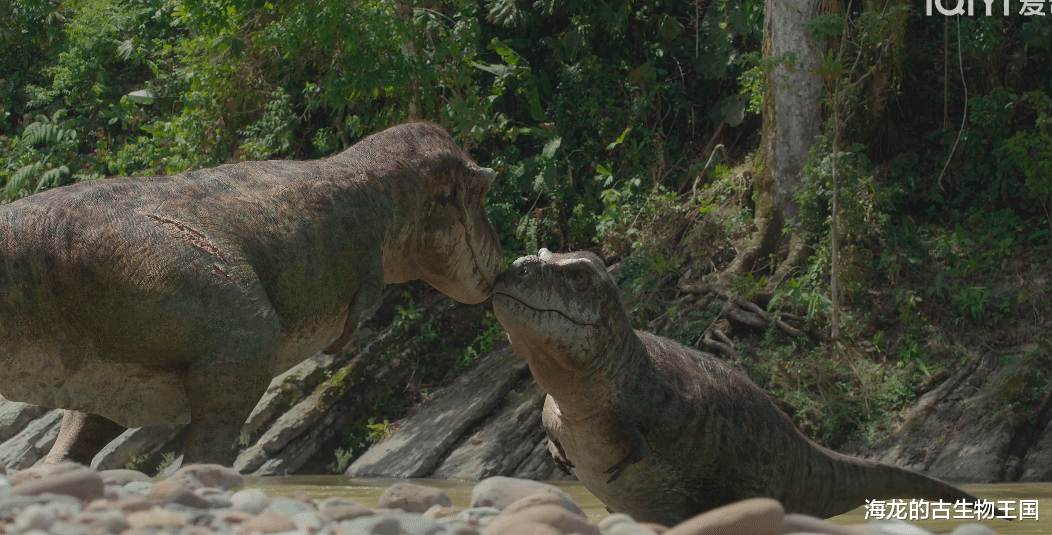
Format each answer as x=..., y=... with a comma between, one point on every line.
x=578, y=276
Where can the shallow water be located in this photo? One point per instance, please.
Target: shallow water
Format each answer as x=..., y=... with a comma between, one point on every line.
x=367, y=492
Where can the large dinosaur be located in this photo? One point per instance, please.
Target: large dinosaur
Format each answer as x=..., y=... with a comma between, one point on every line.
x=138, y=301
x=660, y=431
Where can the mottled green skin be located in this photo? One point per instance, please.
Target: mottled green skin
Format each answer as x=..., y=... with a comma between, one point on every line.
x=177, y=299
x=658, y=430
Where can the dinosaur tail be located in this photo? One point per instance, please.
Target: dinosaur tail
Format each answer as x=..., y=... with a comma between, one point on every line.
x=840, y=483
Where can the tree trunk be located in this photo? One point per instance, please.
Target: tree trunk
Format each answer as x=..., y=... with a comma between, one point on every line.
x=791, y=114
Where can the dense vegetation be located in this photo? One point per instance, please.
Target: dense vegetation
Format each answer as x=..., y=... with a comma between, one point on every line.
x=605, y=120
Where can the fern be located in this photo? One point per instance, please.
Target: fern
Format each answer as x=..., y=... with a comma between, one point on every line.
x=21, y=180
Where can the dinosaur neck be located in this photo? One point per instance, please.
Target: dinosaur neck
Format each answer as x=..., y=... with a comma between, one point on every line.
x=590, y=390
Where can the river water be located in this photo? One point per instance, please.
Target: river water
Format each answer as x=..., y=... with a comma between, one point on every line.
x=367, y=492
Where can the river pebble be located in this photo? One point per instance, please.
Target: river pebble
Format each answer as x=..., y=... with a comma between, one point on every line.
x=206, y=500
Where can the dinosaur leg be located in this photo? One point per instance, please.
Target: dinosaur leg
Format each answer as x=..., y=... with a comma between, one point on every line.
x=638, y=449
x=364, y=299
x=222, y=393
x=81, y=436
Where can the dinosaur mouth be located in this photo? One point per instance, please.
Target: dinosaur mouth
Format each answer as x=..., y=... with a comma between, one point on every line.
x=497, y=292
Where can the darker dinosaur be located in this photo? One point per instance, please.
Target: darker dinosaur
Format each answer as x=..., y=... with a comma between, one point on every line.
x=660, y=431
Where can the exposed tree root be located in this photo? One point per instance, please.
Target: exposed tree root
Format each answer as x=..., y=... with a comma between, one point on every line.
x=737, y=308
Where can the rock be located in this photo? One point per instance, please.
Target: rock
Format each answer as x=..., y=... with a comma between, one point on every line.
x=972, y=529
x=893, y=527
x=106, y=521
x=393, y=524
x=34, y=517
x=308, y=521
x=413, y=498
x=478, y=515
x=137, y=488
x=154, y=518
x=554, y=516
x=129, y=504
x=500, y=492
x=533, y=500
x=171, y=491
x=755, y=516
x=268, y=522
x=511, y=442
x=1038, y=463
x=5, y=486
x=289, y=507
x=252, y=501
x=15, y=415
x=139, y=442
x=416, y=448
x=436, y=512
x=83, y=483
x=217, y=498
x=122, y=477
x=528, y=528
x=17, y=502
x=622, y=524
x=216, y=476
x=338, y=509
x=977, y=451
x=32, y=443
x=231, y=517
x=796, y=523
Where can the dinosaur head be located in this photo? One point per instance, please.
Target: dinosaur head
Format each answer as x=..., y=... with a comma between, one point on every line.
x=563, y=312
x=448, y=240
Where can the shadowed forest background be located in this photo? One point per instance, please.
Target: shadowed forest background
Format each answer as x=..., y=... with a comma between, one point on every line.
x=632, y=129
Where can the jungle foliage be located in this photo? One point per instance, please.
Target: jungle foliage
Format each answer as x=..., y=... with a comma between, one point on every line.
x=601, y=117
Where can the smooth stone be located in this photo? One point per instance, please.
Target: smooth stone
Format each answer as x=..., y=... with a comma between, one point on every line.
x=393, y=524
x=217, y=476
x=413, y=498
x=482, y=515
x=289, y=507
x=128, y=504
x=122, y=476
x=500, y=492
x=268, y=522
x=755, y=516
x=338, y=509
x=106, y=521
x=17, y=502
x=232, y=516
x=530, y=528
x=622, y=524
x=307, y=520
x=436, y=512
x=154, y=518
x=972, y=529
x=171, y=491
x=252, y=501
x=5, y=486
x=656, y=528
x=40, y=472
x=556, y=516
x=137, y=488
x=80, y=482
x=893, y=527
x=67, y=528
x=533, y=500
x=216, y=498
x=34, y=517
x=797, y=523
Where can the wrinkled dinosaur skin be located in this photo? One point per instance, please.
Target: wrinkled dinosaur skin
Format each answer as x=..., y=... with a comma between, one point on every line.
x=139, y=301
x=660, y=431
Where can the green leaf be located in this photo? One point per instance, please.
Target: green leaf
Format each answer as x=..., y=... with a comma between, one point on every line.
x=550, y=147
x=142, y=96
